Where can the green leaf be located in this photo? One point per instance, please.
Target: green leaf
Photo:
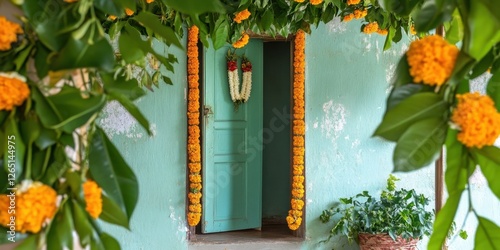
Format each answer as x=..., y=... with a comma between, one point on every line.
x=60, y=235
x=484, y=26
x=400, y=8
x=402, y=74
x=487, y=235
x=493, y=89
x=489, y=159
x=109, y=242
x=400, y=93
x=455, y=30
x=151, y=21
x=220, y=33
x=192, y=7
x=30, y=243
x=57, y=166
x=433, y=13
x=45, y=20
x=444, y=220
x=47, y=138
x=132, y=109
x=67, y=110
x=388, y=39
x=14, y=150
x=457, y=162
x=268, y=19
x=483, y=65
x=112, y=173
x=80, y=54
x=112, y=213
x=414, y=108
x=82, y=224
x=128, y=88
x=109, y=7
x=125, y=42
x=420, y=145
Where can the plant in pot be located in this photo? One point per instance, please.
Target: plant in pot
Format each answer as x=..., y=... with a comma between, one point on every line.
x=397, y=220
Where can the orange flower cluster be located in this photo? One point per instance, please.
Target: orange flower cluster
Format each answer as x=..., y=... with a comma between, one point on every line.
x=353, y=2
x=241, y=16
x=242, y=42
x=93, y=198
x=370, y=28
x=412, y=30
x=294, y=218
x=431, y=60
x=478, y=120
x=13, y=91
x=358, y=14
x=129, y=12
x=150, y=1
x=34, y=204
x=8, y=33
x=299, y=1
x=193, y=144
x=383, y=32
x=316, y=2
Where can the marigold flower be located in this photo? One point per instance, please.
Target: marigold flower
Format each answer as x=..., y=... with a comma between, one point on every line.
x=299, y=1
x=353, y=2
x=193, y=218
x=360, y=13
x=412, y=30
x=242, y=42
x=129, y=12
x=112, y=18
x=8, y=33
x=478, y=119
x=316, y=2
x=150, y=1
x=370, y=28
x=93, y=198
x=431, y=60
x=383, y=32
x=36, y=204
x=13, y=90
x=70, y=1
x=241, y=16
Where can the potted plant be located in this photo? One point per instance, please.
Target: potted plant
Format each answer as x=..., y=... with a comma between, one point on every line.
x=397, y=220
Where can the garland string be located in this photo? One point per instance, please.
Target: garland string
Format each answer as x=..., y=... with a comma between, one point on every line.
x=193, y=143
x=294, y=218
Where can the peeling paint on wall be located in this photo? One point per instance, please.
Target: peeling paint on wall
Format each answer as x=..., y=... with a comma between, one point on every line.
x=334, y=120
x=115, y=120
x=336, y=26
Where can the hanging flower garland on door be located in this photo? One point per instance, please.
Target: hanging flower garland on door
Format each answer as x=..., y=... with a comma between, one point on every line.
x=239, y=96
x=193, y=115
x=294, y=218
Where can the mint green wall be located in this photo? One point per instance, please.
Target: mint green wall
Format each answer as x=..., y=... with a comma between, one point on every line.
x=159, y=162
x=276, y=151
x=347, y=76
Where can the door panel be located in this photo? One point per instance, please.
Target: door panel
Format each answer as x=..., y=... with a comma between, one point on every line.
x=232, y=151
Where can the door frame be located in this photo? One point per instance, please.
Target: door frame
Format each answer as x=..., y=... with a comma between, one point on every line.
x=193, y=230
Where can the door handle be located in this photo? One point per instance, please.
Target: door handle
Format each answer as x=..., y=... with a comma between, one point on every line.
x=207, y=111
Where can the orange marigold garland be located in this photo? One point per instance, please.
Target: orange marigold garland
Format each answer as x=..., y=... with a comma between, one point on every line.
x=370, y=28
x=478, y=119
x=431, y=60
x=193, y=145
x=241, y=16
x=294, y=218
x=13, y=90
x=93, y=198
x=242, y=42
x=8, y=33
x=35, y=203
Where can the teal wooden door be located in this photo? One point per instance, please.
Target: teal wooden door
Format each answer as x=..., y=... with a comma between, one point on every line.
x=232, y=197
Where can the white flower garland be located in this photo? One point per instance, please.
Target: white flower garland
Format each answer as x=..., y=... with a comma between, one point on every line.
x=238, y=96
